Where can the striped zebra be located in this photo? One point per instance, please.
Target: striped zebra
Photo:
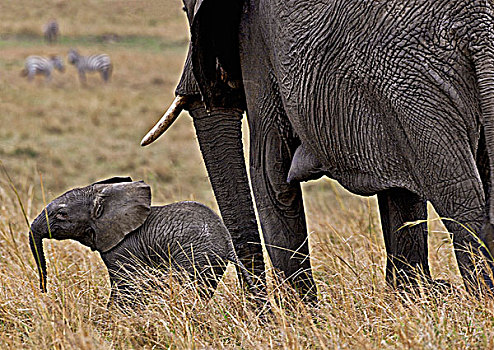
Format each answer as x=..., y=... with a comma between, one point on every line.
x=51, y=31
x=37, y=65
x=94, y=63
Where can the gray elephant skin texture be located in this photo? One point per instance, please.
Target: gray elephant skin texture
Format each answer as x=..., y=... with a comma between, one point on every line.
x=394, y=98
x=115, y=218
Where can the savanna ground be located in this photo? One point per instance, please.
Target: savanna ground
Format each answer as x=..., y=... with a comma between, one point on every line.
x=63, y=135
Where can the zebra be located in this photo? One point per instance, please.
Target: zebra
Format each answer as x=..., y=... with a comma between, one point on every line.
x=35, y=65
x=51, y=31
x=94, y=63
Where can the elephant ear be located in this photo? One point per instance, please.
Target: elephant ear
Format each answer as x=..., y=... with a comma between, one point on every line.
x=118, y=209
x=187, y=85
x=114, y=180
x=215, y=51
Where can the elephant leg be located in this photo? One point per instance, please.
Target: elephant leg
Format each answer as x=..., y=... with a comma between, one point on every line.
x=482, y=161
x=465, y=218
x=123, y=293
x=210, y=277
x=483, y=167
x=220, y=138
x=406, y=247
x=279, y=203
x=115, y=295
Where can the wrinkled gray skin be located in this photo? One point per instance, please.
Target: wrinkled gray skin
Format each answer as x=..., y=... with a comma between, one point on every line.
x=394, y=98
x=114, y=217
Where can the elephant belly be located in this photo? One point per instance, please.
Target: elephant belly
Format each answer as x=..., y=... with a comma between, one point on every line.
x=374, y=113
x=358, y=149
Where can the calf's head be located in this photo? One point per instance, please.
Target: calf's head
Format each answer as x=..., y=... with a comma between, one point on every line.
x=99, y=216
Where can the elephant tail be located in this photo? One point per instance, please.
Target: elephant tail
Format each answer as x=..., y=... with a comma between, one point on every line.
x=258, y=292
x=243, y=272
x=482, y=49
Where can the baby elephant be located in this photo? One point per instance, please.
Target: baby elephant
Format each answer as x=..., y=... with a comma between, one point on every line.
x=115, y=217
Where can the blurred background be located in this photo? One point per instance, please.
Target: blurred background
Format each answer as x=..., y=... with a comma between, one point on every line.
x=73, y=134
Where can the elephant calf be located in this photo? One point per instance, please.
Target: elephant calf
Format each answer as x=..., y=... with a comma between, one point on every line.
x=115, y=218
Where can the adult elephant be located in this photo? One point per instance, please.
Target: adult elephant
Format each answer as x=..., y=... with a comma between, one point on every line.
x=393, y=98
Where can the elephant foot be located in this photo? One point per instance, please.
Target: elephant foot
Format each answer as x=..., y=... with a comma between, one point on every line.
x=425, y=288
x=440, y=287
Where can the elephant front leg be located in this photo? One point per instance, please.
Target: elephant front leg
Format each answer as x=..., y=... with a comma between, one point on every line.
x=219, y=133
x=279, y=204
x=122, y=294
x=406, y=247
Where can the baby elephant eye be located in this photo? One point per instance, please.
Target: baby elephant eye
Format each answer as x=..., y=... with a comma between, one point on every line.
x=62, y=215
x=184, y=9
x=98, y=211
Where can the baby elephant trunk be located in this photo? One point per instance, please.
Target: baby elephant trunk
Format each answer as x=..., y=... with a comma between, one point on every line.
x=36, y=244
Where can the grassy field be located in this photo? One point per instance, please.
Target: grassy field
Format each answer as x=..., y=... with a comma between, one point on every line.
x=65, y=135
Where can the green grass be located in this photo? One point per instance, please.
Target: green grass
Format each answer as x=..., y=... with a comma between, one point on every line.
x=69, y=135
x=131, y=42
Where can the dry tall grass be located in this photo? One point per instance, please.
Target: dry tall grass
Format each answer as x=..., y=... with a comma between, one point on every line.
x=73, y=135
x=355, y=310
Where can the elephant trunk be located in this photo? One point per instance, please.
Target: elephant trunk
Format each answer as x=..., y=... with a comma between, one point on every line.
x=36, y=244
x=219, y=133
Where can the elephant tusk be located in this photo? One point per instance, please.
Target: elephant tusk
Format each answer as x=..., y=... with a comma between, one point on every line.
x=166, y=120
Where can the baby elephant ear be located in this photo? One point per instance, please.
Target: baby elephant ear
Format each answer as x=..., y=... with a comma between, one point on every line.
x=118, y=209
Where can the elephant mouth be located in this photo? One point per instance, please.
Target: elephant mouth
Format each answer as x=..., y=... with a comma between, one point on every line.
x=91, y=236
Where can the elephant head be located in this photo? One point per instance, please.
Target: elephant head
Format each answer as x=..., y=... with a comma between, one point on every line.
x=99, y=216
x=210, y=88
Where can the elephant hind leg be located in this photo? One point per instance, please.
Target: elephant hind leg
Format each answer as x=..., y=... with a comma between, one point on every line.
x=273, y=142
x=280, y=205
x=483, y=166
x=406, y=246
x=461, y=205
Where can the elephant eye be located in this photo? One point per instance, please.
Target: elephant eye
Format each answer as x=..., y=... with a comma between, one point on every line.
x=98, y=210
x=62, y=215
x=184, y=9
